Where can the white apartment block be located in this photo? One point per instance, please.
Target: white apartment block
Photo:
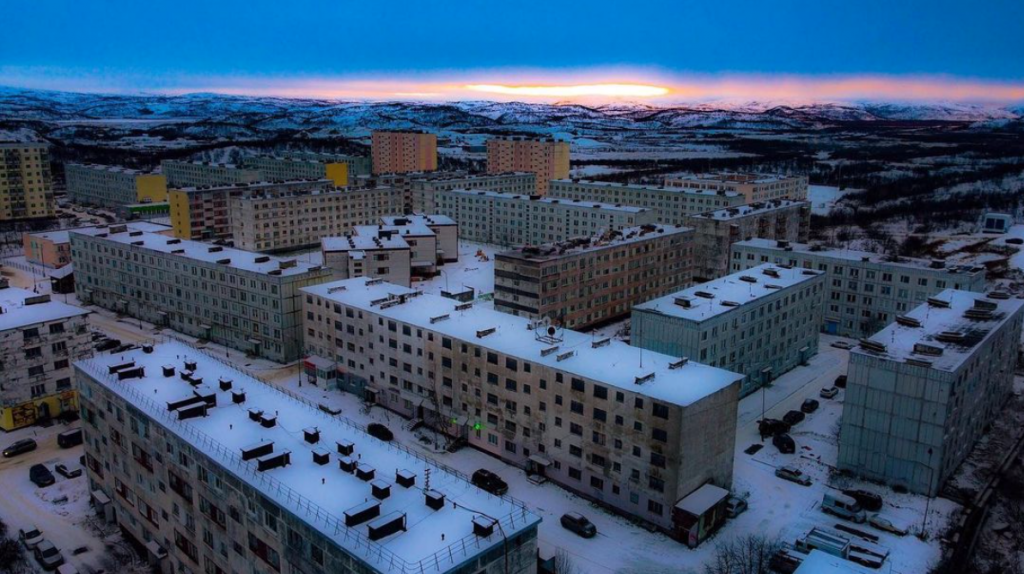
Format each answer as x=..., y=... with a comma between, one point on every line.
x=282, y=219
x=341, y=169
x=424, y=186
x=39, y=339
x=180, y=173
x=582, y=412
x=113, y=186
x=444, y=229
x=863, y=291
x=672, y=205
x=921, y=392
x=210, y=470
x=244, y=300
x=779, y=219
x=761, y=322
x=755, y=187
x=369, y=251
x=584, y=282
x=515, y=220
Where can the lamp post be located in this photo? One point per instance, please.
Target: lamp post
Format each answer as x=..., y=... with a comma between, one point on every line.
x=928, y=499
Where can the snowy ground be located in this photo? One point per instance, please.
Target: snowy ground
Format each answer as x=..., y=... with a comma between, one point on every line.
x=823, y=198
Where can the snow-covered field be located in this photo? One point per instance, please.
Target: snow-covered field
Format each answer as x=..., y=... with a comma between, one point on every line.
x=823, y=198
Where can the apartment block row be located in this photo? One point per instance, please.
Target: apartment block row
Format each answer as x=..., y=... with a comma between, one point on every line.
x=586, y=413
x=588, y=281
x=184, y=173
x=922, y=391
x=515, y=220
x=546, y=158
x=754, y=187
x=672, y=205
x=244, y=300
x=210, y=470
x=760, y=323
x=26, y=187
x=864, y=291
x=339, y=168
x=113, y=186
x=423, y=187
x=39, y=339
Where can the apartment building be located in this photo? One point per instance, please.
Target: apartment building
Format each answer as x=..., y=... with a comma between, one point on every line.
x=113, y=186
x=203, y=213
x=39, y=338
x=584, y=282
x=281, y=218
x=244, y=300
x=672, y=205
x=580, y=411
x=444, y=229
x=49, y=248
x=755, y=187
x=424, y=187
x=211, y=470
x=864, y=291
x=760, y=323
x=340, y=169
x=26, y=189
x=369, y=251
x=403, y=151
x=779, y=219
x=513, y=220
x=182, y=174
x=546, y=158
x=921, y=392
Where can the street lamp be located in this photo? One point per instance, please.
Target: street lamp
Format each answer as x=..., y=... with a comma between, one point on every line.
x=928, y=499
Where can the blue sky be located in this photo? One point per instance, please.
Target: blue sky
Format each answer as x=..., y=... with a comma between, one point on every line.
x=167, y=46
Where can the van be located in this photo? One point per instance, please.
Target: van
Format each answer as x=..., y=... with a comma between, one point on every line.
x=843, y=506
x=70, y=438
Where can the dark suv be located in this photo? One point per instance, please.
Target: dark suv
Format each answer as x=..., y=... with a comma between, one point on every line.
x=379, y=431
x=579, y=524
x=490, y=482
x=20, y=447
x=41, y=476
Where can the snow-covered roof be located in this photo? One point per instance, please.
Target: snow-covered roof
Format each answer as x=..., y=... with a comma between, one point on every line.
x=317, y=494
x=784, y=247
x=257, y=185
x=417, y=218
x=943, y=332
x=226, y=256
x=818, y=562
x=724, y=177
x=703, y=499
x=364, y=238
x=730, y=213
x=551, y=200
x=53, y=236
x=111, y=168
x=611, y=362
x=636, y=187
x=446, y=176
x=730, y=293
x=606, y=240
x=21, y=308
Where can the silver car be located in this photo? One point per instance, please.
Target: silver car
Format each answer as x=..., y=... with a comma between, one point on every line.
x=30, y=536
x=48, y=556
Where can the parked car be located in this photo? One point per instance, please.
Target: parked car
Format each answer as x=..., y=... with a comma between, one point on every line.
x=793, y=417
x=786, y=561
x=579, y=524
x=784, y=443
x=882, y=523
x=735, y=506
x=30, y=536
x=47, y=555
x=20, y=447
x=490, y=482
x=869, y=500
x=380, y=431
x=772, y=427
x=793, y=474
x=108, y=344
x=70, y=438
x=41, y=476
x=1015, y=241
x=68, y=472
x=828, y=393
x=840, y=382
x=809, y=406
x=842, y=345
x=843, y=506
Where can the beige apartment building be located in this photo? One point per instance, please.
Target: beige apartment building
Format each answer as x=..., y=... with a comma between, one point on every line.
x=445, y=231
x=585, y=282
x=515, y=220
x=548, y=159
x=49, y=248
x=39, y=339
x=26, y=189
x=280, y=218
x=424, y=187
x=341, y=169
x=402, y=152
x=755, y=187
x=672, y=205
x=583, y=412
x=206, y=469
x=113, y=186
x=182, y=174
x=780, y=219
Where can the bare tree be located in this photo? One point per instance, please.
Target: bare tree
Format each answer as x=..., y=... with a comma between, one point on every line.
x=746, y=555
x=564, y=563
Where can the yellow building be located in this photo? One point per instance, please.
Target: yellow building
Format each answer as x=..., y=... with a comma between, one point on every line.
x=547, y=158
x=403, y=152
x=26, y=191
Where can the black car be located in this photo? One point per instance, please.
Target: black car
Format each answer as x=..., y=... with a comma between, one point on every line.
x=809, y=406
x=840, y=382
x=490, y=482
x=108, y=344
x=772, y=427
x=792, y=418
x=380, y=431
x=867, y=499
x=579, y=524
x=784, y=443
x=41, y=476
x=20, y=447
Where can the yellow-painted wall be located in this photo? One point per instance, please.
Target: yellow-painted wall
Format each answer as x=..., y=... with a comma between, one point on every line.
x=26, y=414
x=337, y=172
x=181, y=224
x=151, y=188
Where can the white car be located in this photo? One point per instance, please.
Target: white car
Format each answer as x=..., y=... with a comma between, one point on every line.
x=30, y=536
x=842, y=345
x=882, y=523
x=828, y=393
